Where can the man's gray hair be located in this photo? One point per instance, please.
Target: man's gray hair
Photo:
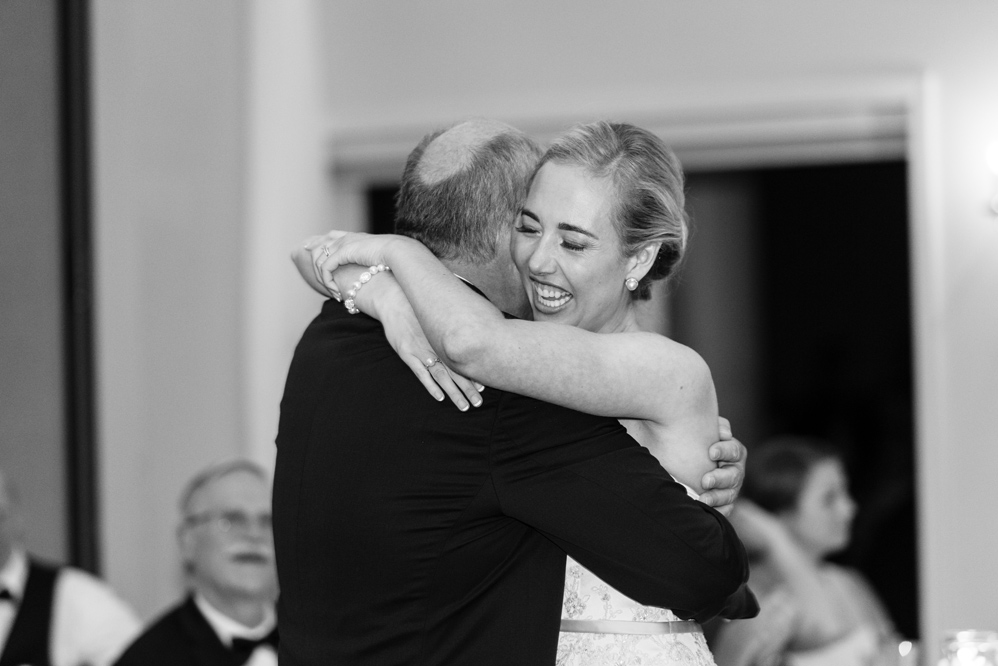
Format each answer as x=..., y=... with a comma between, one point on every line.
x=214, y=472
x=463, y=187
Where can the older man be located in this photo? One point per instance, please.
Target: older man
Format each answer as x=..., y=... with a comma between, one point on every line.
x=53, y=615
x=227, y=547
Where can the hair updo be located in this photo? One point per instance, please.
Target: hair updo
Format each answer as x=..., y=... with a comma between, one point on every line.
x=648, y=181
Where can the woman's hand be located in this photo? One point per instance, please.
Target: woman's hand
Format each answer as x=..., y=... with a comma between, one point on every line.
x=407, y=339
x=319, y=261
x=722, y=484
x=303, y=261
x=338, y=248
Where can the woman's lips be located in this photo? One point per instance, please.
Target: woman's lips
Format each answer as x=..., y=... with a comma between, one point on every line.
x=548, y=297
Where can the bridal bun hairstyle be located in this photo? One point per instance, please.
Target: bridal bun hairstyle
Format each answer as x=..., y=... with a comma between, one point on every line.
x=648, y=180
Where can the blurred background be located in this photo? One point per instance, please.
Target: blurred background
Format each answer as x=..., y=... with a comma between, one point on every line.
x=158, y=162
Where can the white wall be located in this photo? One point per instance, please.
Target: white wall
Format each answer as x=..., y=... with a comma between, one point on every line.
x=168, y=145
x=172, y=158
x=208, y=171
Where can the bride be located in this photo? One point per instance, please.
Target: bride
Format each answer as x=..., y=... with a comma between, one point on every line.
x=603, y=220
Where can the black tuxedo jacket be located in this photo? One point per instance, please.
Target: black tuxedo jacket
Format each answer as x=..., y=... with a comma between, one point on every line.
x=181, y=637
x=408, y=532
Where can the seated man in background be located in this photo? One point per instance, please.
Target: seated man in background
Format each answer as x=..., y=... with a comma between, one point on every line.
x=228, y=554
x=53, y=615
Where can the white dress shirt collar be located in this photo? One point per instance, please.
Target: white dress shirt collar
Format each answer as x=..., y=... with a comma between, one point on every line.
x=14, y=575
x=227, y=628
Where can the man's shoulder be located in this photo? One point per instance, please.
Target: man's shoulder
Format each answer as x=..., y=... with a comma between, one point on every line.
x=525, y=424
x=165, y=641
x=78, y=581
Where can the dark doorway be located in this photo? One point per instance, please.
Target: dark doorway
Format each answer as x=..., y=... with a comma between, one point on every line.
x=824, y=312
x=381, y=208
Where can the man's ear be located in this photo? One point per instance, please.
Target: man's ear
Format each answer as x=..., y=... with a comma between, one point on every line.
x=639, y=264
x=186, y=544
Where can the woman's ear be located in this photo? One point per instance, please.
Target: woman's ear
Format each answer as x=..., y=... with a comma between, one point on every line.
x=639, y=264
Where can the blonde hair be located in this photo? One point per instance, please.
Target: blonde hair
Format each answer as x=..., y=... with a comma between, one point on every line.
x=648, y=181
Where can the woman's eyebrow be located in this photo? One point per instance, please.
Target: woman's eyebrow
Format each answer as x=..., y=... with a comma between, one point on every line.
x=565, y=226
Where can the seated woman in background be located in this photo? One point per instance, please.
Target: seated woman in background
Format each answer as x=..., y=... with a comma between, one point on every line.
x=794, y=511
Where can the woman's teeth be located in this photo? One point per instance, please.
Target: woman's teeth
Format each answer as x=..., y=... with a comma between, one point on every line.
x=551, y=297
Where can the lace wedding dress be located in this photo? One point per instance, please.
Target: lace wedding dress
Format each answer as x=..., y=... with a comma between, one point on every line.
x=607, y=628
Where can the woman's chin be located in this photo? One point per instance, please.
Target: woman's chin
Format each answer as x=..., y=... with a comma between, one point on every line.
x=544, y=311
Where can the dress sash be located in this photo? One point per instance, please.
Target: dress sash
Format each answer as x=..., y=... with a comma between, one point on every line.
x=626, y=627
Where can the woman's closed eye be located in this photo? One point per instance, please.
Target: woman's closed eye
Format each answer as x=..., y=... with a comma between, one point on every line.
x=573, y=246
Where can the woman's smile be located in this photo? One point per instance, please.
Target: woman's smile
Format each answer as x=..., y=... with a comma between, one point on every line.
x=547, y=297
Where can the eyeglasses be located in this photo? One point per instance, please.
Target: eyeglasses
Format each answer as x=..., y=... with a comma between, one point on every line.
x=232, y=521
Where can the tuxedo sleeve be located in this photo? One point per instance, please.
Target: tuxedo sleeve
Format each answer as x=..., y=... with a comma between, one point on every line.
x=607, y=502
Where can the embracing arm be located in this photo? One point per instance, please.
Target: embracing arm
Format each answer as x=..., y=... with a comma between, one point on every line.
x=641, y=376
x=385, y=301
x=609, y=505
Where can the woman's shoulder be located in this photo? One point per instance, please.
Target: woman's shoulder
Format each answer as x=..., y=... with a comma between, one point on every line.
x=765, y=581
x=683, y=374
x=661, y=354
x=852, y=581
x=848, y=579
x=856, y=591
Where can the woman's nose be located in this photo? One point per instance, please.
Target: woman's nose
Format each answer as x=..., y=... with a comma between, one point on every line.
x=540, y=262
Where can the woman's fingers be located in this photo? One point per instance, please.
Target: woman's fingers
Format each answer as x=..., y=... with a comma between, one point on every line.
x=320, y=252
x=468, y=388
x=442, y=375
x=440, y=381
x=724, y=426
x=722, y=500
x=424, y=377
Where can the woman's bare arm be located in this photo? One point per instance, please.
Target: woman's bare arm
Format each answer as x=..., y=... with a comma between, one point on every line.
x=627, y=375
x=641, y=376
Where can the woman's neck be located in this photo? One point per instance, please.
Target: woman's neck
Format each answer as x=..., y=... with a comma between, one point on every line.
x=624, y=322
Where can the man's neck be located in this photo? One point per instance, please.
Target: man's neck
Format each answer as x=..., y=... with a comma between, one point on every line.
x=247, y=611
x=503, y=292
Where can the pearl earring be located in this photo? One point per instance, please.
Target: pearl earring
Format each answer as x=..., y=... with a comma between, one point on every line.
x=631, y=283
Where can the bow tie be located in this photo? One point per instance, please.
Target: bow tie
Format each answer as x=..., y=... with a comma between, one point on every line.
x=245, y=646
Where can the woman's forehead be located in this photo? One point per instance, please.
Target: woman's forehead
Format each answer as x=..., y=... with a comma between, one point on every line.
x=564, y=193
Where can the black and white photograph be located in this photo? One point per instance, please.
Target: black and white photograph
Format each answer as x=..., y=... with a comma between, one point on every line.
x=496, y=332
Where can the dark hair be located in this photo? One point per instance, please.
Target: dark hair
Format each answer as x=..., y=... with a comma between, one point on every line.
x=648, y=180
x=461, y=199
x=777, y=470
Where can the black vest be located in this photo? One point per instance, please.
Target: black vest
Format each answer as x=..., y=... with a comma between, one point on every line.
x=28, y=640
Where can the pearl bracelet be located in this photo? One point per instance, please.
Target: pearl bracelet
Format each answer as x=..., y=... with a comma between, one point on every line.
x=364, y=278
